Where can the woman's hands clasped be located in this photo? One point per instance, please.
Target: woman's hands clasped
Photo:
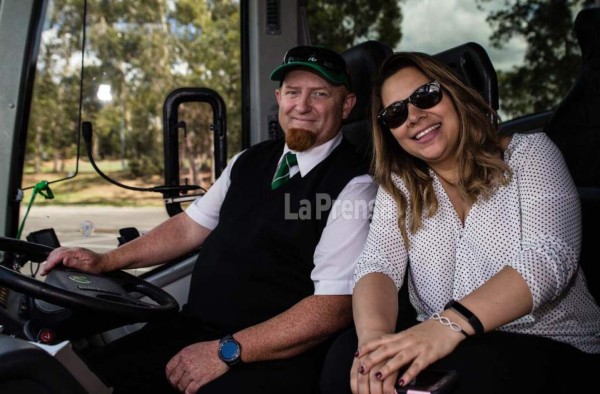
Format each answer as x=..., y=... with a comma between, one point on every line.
x=381, y=357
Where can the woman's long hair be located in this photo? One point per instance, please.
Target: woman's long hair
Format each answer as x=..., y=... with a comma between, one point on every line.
x=481, y=168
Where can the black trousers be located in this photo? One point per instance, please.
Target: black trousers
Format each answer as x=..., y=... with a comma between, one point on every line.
x=496, y=362
x=136, y=363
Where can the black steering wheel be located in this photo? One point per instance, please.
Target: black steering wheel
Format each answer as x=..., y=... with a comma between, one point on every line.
x=113, y=293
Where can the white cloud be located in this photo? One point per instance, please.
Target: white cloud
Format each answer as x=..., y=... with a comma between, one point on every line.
x=432, y=26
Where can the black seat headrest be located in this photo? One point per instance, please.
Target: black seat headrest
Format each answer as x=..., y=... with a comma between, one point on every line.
x=364, y=61
x=587, y=30
x=469, y=61
x=575, y=123
x=473, y=66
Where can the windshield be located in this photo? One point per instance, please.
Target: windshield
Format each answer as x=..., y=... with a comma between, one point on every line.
x=113, y=64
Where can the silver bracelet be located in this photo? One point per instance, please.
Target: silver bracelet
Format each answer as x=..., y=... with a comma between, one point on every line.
x=449, y=323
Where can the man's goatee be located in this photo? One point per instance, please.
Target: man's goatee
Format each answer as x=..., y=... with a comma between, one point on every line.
x=300, y=140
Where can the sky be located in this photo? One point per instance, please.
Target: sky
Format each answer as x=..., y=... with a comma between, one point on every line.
x=432, y=26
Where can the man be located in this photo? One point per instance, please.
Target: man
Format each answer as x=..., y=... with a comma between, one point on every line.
x=273, y=280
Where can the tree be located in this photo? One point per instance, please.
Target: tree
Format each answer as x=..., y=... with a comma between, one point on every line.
x=551, y=57
x=142, y=49
x=341, y=24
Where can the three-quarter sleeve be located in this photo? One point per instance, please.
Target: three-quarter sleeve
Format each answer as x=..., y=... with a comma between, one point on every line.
x=384, y=249
x=550, y=219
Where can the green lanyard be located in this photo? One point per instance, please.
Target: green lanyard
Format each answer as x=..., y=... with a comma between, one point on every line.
x=42, y=188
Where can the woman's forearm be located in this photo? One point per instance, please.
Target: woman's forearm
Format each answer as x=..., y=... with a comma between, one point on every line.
x=375, y=306
x=504, y=298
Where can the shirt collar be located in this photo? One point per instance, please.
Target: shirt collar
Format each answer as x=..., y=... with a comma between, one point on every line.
x=309, y=159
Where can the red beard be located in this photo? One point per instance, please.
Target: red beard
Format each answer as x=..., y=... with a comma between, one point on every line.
x=300, y=140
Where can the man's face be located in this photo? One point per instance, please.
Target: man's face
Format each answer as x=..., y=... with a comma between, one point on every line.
x=310, y=104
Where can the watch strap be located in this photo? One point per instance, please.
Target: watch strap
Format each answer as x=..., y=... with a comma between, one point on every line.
x=222, y=342
x=467, y=314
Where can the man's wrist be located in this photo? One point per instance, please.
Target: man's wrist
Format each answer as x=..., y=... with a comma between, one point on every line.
x=230, y=351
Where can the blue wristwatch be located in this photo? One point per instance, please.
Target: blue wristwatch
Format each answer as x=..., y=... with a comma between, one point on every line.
x=230, y=351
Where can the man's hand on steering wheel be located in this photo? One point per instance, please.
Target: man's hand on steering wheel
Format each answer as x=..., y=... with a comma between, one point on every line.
x=115, y=292
x=77, y=258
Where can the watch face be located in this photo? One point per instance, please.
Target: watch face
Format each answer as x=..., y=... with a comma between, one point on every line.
x=229, y=350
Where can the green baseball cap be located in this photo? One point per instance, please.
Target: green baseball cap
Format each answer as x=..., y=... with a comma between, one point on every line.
x=327, y=63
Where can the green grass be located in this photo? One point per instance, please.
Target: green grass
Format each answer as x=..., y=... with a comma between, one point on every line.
x=88, y=188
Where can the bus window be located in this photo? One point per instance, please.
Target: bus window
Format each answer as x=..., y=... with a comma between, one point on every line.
x=134, y=54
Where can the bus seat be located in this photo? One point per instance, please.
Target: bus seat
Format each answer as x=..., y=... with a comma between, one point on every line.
x=575, y=128
x=26, y=368
x=363, y=60
x=469, y=61
x=473, y=66
x=575, y=123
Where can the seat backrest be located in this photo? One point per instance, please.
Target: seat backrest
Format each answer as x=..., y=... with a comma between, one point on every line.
x=575, y=128
x=364, y=61
x=575, y=124
x=469, y=61
x=473, y=66
x=27, y=368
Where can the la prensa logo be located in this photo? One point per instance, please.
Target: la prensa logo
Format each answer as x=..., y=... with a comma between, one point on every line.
x=80, y=279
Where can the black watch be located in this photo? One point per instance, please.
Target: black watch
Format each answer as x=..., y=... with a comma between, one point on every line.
x=230, y=351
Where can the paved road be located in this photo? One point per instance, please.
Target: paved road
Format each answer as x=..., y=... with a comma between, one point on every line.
x=69, y=223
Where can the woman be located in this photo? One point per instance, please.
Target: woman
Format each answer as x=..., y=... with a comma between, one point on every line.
x=492, y=229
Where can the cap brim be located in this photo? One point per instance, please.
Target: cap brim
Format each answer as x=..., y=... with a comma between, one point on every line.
x=334, y=78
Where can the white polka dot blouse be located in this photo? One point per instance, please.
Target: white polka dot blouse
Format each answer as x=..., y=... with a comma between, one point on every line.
x=533, y=224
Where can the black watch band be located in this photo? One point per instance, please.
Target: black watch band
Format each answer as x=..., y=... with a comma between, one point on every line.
x=467, y=314
x=230, y=351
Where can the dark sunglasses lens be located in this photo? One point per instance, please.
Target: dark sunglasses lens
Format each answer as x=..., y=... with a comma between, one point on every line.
x=424, y=97
x=395, y=114
x=427, y=96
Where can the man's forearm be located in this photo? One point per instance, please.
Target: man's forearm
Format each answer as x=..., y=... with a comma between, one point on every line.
x=303, y=326
x=169, y=240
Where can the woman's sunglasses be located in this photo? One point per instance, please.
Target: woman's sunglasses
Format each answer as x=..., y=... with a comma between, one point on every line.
x=425, y=97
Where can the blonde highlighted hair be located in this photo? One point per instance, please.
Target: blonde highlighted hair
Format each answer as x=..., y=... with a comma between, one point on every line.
x=481, y=166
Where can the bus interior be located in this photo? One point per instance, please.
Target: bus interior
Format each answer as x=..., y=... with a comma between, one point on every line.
x=44, y=324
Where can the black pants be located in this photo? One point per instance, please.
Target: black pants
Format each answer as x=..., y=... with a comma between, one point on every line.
x=136, y=363
x=496, y=362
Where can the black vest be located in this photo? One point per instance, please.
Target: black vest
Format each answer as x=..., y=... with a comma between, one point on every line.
x=257, y=262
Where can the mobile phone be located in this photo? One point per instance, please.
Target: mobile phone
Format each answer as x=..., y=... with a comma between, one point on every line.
x=431, y=381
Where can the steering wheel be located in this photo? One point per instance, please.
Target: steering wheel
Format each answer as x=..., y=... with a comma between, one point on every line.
x=111, y=292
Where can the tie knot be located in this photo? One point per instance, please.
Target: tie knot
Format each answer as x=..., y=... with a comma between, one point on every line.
x=291, y=159
x=283, y=171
